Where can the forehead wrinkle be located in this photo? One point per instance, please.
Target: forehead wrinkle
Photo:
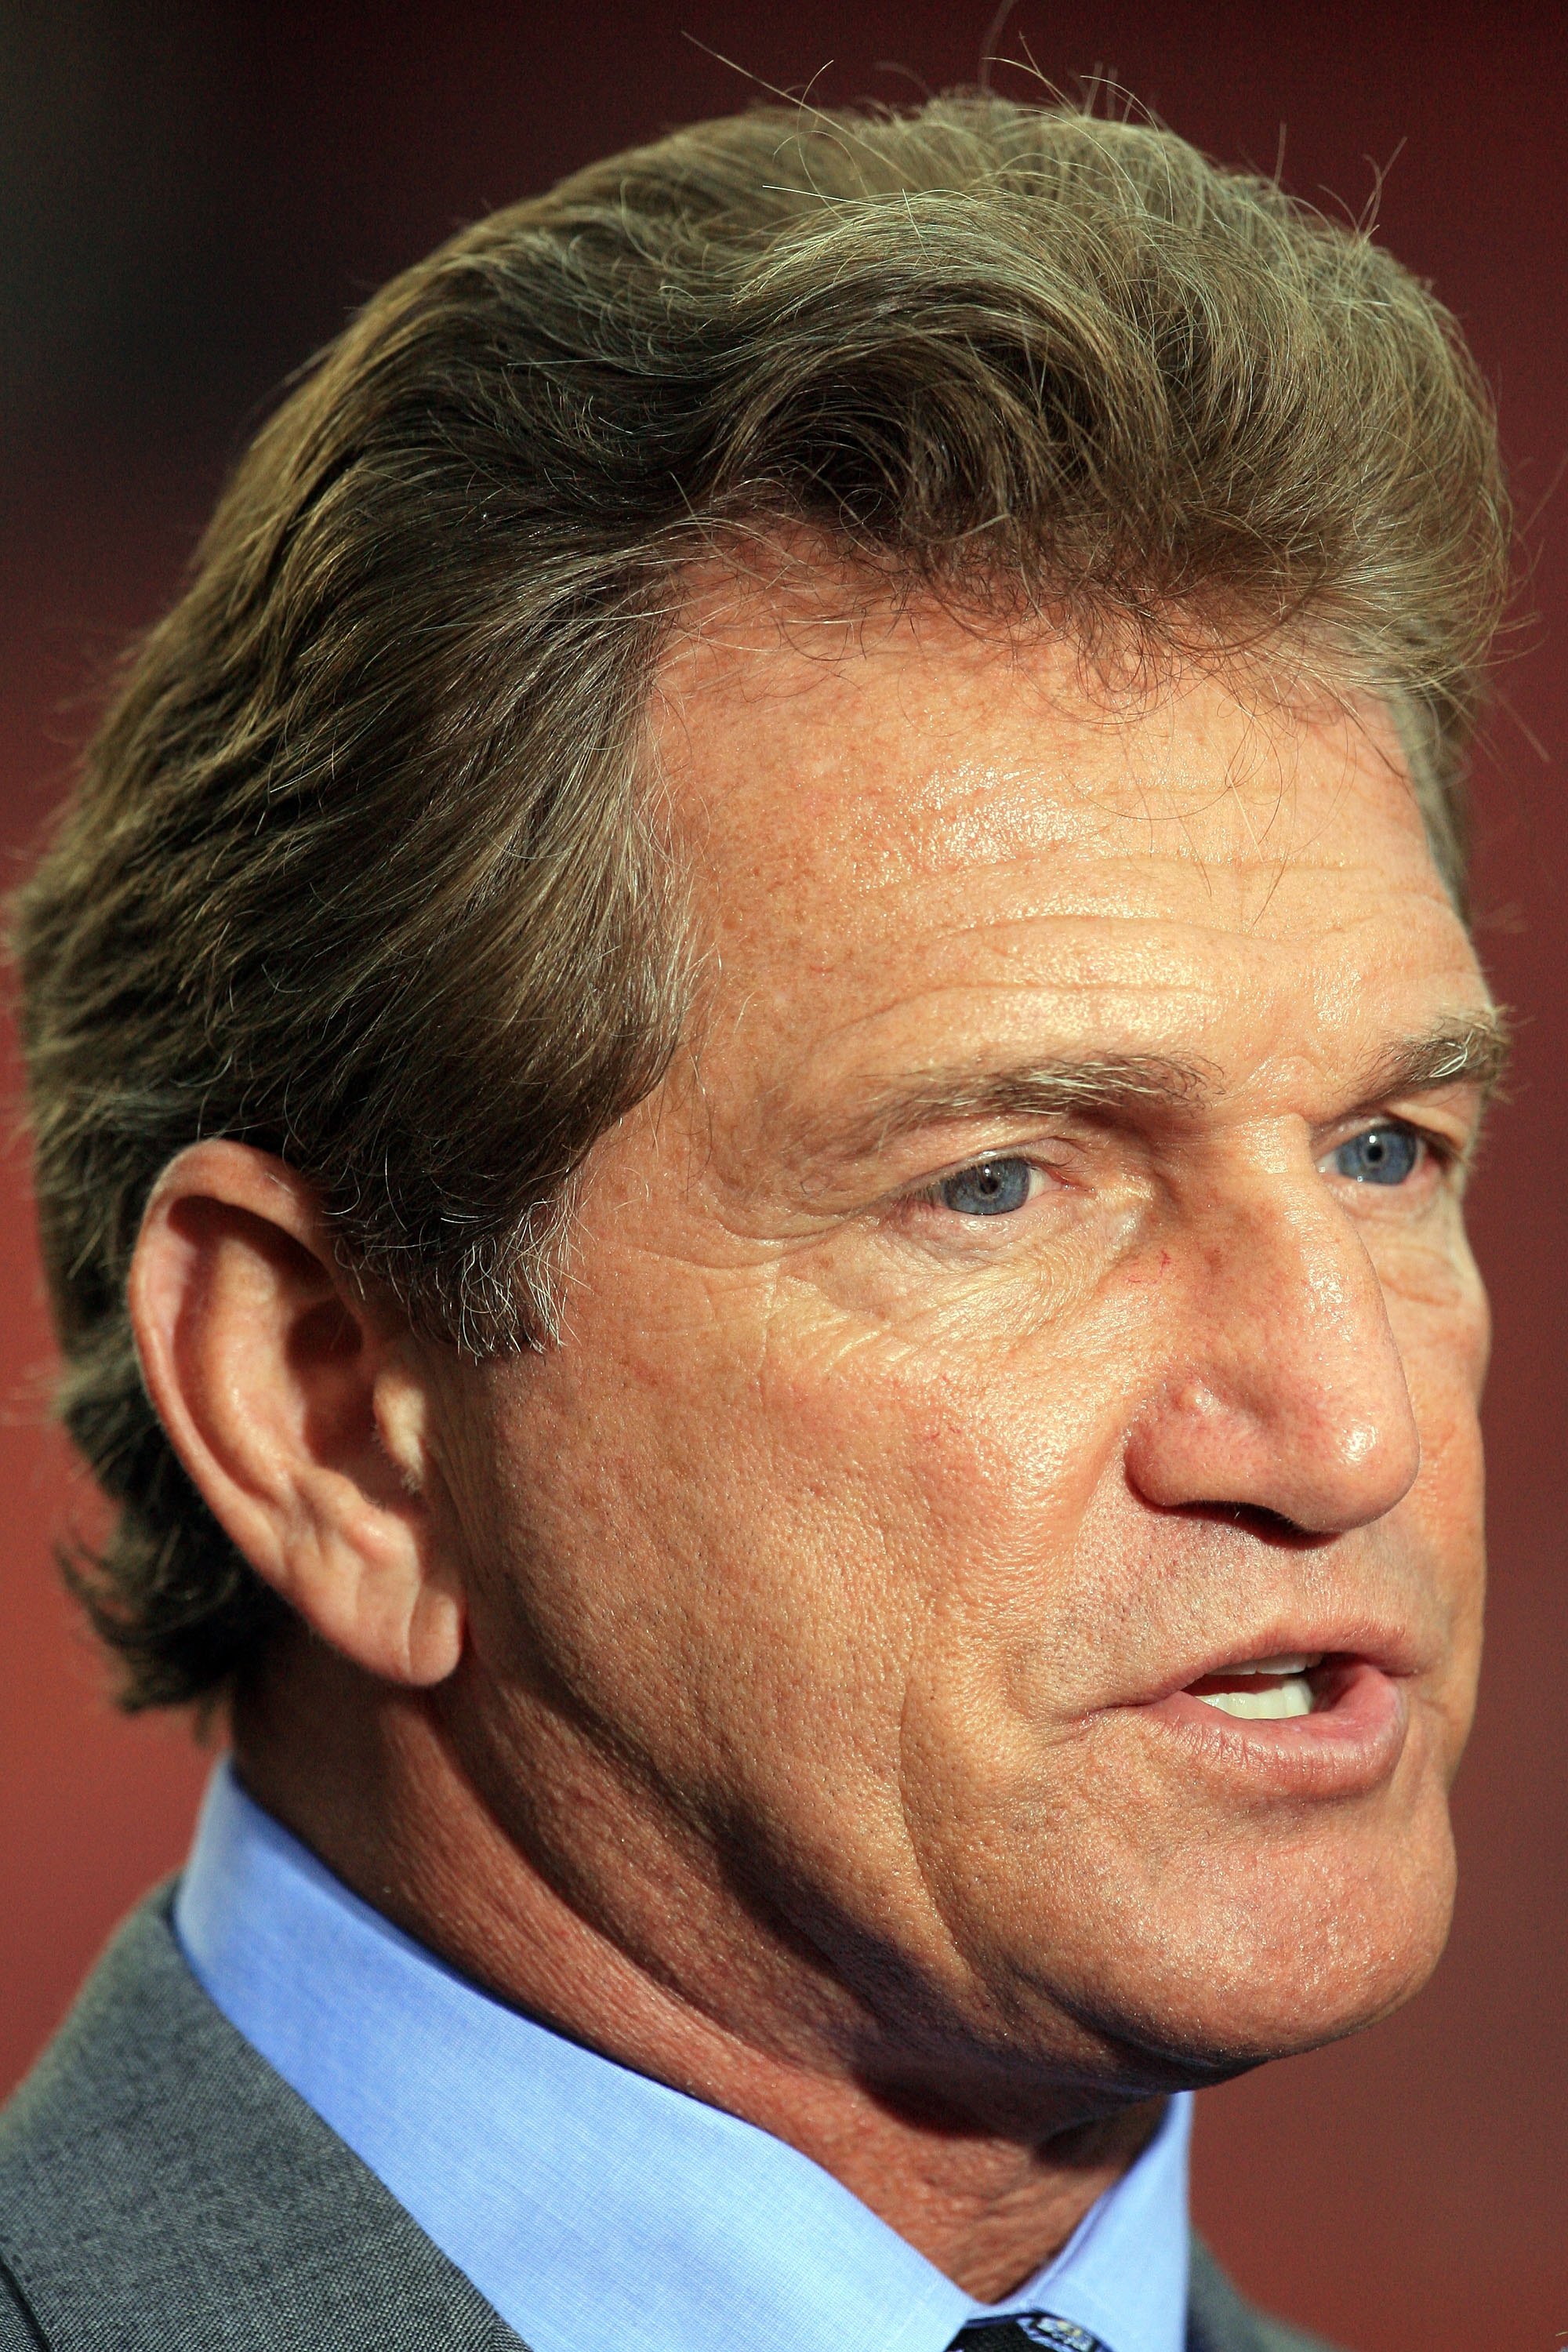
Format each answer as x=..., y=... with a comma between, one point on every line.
x=1259, y=773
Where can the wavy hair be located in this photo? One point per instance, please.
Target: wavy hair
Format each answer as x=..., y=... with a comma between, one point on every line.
x=358, y=867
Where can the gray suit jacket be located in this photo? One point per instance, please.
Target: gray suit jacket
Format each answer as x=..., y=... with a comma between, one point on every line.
x=162, y=2190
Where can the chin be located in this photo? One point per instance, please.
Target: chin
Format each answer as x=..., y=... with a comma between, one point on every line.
x=1219, y=1950
x=1308, y=1948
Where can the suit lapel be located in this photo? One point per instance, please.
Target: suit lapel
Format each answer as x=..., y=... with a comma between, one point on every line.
x=1219, y=2321
x=162, y=2188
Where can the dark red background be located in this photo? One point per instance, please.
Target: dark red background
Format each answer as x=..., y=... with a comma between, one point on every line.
x=190, y=198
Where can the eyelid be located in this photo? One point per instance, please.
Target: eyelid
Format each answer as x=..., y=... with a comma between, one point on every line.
x=1446, y=1150
x=1469, y=1116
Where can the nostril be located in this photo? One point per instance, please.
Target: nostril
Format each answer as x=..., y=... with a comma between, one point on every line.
x=1257, y=1519
x=1279, y=1454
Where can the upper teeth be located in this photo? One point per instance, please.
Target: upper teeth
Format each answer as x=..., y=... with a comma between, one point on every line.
x=1289, y=1694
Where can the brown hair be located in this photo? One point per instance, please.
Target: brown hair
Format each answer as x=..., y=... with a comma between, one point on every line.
x=358, y=868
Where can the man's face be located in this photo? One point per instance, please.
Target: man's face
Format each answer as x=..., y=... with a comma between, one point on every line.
x=1039, y=1288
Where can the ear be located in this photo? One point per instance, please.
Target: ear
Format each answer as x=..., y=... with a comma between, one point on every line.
x=297, y=1408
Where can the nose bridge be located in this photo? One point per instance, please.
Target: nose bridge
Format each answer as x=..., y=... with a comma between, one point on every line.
x=1324, y=1373
x=1292, y=1394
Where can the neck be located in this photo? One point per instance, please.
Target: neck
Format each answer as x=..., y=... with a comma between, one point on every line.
x=988, y=2189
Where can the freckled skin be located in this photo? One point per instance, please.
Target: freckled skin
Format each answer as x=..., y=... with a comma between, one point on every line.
x=820, y=1584
x=861, y=1529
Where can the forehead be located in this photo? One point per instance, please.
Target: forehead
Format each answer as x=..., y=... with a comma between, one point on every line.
x=884, y=804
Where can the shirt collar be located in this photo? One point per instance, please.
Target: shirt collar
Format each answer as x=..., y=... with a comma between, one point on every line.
x=590, y=2206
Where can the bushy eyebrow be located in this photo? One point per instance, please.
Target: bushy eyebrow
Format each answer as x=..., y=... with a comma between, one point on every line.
x=1471, y=1050
x=1102, y=1085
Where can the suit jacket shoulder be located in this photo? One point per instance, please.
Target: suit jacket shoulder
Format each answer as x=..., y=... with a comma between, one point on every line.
x=161, y=2188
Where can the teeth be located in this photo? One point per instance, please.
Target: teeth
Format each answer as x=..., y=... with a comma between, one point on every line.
x=1292, y=1697
x=1282, y=1687
x=1296, y=1663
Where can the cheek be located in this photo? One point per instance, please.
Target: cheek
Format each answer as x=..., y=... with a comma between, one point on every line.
x=968, y=1470
x=1439, y=1311
x=1447, y=1504
x=804, y=1551
x=969, y=1610
x=1444, y=1341
x=715, y=1545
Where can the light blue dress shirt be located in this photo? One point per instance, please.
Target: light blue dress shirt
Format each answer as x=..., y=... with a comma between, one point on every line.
x=597, y=2210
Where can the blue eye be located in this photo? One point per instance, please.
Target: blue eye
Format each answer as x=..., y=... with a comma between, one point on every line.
x=1383, y=1155
x=992, y=1188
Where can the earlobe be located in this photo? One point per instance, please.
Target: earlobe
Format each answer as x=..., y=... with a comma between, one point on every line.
x=297, y=1410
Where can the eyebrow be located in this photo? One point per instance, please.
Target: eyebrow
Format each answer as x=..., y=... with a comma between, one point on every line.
x=1102, y=1085
x=1472, y=1050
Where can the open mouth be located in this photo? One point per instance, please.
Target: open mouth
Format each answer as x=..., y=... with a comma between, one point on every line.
x=1264, y=1690
x=1320, y=1722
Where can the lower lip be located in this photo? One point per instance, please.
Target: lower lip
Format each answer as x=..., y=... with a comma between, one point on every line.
x=1350, y=1741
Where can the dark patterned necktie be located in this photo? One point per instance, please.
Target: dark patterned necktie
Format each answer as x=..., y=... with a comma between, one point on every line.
x=1020, y=2330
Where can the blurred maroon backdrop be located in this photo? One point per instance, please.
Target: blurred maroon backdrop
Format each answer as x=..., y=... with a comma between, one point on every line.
x=191, y=197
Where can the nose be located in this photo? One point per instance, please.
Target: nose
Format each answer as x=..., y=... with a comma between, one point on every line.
x=1285, y=1391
